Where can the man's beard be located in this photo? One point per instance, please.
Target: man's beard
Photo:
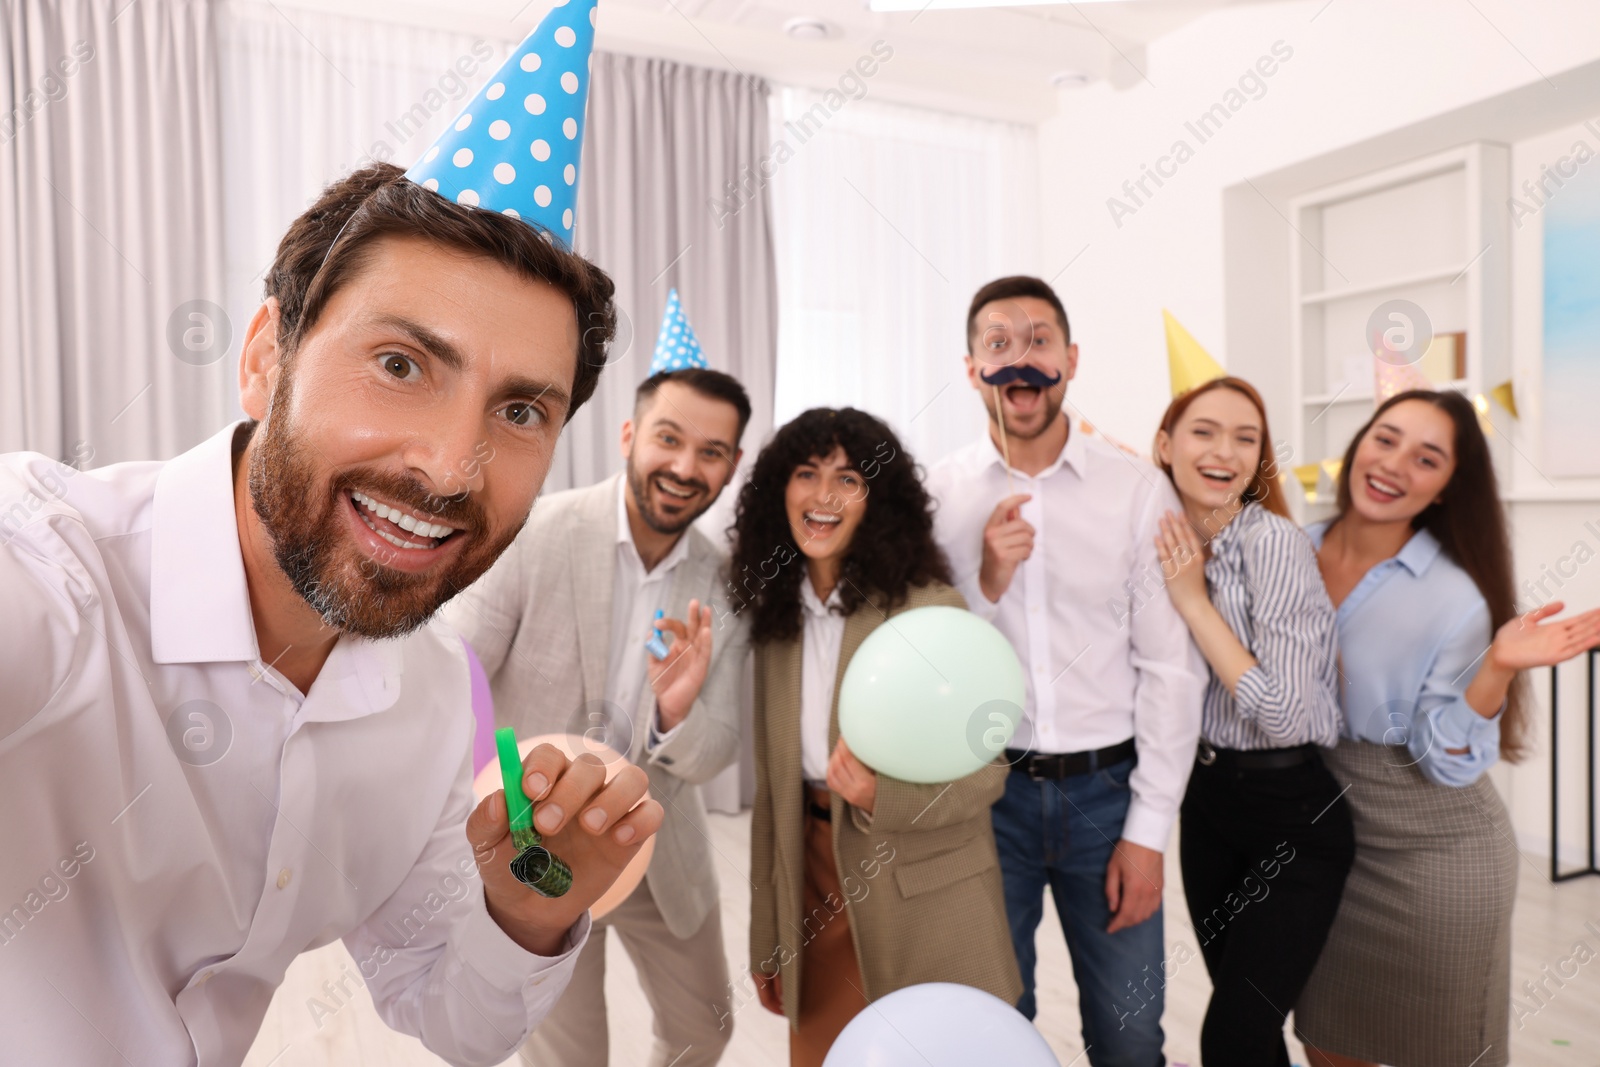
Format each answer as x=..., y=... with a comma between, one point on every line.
x=1052, y=401
x=639, y=484
x=351, y=591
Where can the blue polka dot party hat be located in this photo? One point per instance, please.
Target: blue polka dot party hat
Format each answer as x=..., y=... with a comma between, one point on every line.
x=514, y=148
x=677, y=348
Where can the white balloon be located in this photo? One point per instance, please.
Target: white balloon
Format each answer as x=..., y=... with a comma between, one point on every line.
x=940, y=1024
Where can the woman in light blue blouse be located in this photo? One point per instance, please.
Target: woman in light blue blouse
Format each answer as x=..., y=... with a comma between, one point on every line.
x=1416, y=971
x=1266, y=839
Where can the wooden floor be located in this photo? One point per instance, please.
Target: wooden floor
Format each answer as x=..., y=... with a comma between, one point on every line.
x=1549, y=921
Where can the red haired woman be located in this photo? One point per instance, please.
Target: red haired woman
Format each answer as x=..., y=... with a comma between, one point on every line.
x=1266, y=839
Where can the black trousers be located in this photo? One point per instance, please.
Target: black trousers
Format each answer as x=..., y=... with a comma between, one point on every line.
x=1264, y=855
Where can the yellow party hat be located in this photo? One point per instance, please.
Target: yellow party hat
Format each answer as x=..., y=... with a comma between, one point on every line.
x=1189, y=364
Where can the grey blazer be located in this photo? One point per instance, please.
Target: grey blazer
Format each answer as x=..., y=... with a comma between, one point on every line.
x=540, y=620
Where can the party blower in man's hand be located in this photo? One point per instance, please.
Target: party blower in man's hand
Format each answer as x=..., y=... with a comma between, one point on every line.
x=533, y=865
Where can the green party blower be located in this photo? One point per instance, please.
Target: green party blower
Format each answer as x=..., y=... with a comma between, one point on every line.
x=534, y=865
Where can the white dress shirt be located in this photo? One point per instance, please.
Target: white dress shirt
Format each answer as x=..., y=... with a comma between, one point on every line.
x=1105, y=654
x=636, y=596
x=822, y=635
x=215, y=821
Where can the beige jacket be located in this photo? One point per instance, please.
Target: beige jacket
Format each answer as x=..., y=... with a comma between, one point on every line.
x=540, y=620
x=921, y=878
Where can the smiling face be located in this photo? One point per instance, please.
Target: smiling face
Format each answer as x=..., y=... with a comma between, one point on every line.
x=1214, y=450
x=1403, y=462
x=826, y=499
x=681, y=453
x=1022, y=332
x=406, y=438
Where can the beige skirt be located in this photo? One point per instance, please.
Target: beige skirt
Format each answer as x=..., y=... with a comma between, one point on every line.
x=1417, y=968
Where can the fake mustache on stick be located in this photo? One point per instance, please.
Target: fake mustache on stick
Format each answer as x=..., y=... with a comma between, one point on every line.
x=1005, y=376
x=1026, y=375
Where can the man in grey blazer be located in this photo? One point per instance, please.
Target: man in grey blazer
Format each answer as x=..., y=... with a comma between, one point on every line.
x=561, y=623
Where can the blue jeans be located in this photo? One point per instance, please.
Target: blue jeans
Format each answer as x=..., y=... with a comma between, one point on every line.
x=1060, y=834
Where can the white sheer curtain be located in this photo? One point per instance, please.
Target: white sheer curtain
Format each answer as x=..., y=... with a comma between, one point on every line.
x=110, y=230
x=887, y=219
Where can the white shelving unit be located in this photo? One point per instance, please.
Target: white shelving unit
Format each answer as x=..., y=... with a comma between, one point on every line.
x=1434, y=231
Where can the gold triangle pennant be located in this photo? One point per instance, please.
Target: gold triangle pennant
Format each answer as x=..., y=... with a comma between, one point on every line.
x=1318, y=481
x=1505, y=395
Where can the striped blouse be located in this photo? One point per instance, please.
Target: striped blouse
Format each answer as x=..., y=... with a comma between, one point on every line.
x=1264, y=581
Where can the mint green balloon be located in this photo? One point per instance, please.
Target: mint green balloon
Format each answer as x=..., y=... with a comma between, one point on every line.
x=931, y=695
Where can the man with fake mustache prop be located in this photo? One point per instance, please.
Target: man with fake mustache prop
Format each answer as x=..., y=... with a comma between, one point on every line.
x=1050, y=533
x=226, y=736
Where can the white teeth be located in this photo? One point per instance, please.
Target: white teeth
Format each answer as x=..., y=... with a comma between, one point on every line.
x=393, y=540
x=409, y=523
x=1383, y=487
x=682, y=494
x=818, y=517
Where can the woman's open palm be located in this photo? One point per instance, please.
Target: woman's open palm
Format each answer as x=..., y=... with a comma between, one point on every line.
x=1528, y=641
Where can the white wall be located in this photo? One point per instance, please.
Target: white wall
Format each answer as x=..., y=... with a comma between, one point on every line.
x=1358, y=68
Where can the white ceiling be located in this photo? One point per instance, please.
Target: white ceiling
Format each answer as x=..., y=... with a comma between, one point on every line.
x=993, y=62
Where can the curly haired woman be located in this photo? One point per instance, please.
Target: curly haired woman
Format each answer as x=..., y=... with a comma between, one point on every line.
x=863, y=884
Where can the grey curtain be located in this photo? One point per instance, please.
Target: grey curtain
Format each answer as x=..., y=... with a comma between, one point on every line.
x=112, y=341
x=672, y=194
x=662, y=142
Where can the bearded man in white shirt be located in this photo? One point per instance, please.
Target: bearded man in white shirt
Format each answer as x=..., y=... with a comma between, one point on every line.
x=562, y=622
x=1058, y=552
x=226, y=736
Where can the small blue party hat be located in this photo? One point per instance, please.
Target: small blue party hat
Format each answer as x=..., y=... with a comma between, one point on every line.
x=677, y=348
x=514, y=148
